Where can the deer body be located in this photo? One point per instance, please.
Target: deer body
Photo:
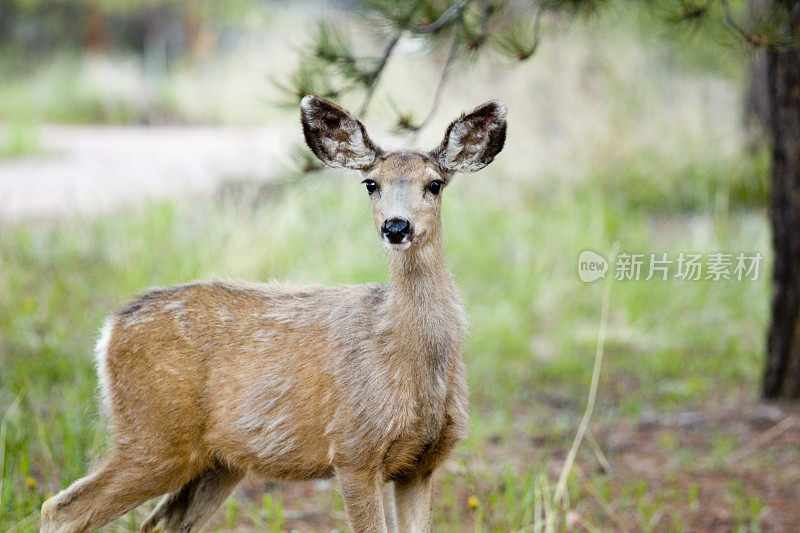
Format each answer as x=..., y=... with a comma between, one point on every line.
x=207, y=381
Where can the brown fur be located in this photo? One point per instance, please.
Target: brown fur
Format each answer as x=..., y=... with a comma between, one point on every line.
x=207, y=381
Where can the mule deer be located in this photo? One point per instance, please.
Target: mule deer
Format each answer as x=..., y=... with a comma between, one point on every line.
x=207, y=381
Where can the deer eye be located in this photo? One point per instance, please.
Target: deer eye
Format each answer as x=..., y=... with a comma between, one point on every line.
x=371, y=186
x=435, y=186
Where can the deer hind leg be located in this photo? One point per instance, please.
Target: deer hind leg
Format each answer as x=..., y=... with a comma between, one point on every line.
x=363, y=500
x=116, y=488
x=413, y=502
x=188, y=508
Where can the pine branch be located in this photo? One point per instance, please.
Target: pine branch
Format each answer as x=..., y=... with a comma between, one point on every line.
x=333, y=68
x=766, y=32
x=304, y=161
x=450, y=14
x=376, y=73
x=522, y=41
x=333, y=48
x=437, y=94
x=372, y=80
x=307, y=79
x=474, y=31
x=736, y=27
x=574, y=7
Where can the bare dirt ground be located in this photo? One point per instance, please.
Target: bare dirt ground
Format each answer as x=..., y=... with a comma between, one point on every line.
x=706, y=467
x=91, y=169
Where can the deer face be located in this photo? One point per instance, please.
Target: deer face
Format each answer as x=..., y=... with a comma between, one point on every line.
x=404, y=187
x=405, y=194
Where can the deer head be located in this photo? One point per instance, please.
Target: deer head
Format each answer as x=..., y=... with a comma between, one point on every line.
x=404, y=186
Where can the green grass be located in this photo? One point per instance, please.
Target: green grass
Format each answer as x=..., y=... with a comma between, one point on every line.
x=513, y=249
x=59, y=89
x=20, y=140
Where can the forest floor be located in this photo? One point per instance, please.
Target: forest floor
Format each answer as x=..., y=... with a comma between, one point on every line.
x=718, y=469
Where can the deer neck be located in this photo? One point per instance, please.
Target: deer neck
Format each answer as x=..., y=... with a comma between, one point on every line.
x=423, y=298
x=418, y=276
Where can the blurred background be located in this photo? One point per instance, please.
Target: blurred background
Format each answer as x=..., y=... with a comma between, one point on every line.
x=156, y=142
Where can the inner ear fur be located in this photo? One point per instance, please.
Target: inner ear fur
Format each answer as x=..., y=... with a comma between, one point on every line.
x=472, y=141
x=335, y=137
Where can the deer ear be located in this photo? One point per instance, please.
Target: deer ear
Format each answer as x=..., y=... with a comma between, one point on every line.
x=335, y=137
x=472, y=141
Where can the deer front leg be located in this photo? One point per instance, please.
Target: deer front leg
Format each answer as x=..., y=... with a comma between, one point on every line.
x=412, y=498
x=363, y=499
x=93, y=501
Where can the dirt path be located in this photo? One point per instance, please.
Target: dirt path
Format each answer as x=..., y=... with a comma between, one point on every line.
x=89, y=169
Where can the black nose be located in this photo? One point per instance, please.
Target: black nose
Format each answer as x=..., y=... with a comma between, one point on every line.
x=396, y=229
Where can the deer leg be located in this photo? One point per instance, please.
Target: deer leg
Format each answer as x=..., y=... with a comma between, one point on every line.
x=412, y=499
x=188, y=508
x=363, y=500
x=389, y=509
x=117, y=487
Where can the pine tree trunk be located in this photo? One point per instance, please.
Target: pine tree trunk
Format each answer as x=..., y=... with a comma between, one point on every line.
x=782, y=376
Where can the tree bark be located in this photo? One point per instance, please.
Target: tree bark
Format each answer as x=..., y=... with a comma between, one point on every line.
x=782, y=376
